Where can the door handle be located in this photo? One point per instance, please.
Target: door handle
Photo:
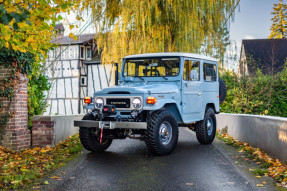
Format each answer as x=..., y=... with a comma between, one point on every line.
x=199, y=94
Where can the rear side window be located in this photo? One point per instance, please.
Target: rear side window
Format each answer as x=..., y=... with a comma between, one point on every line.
x=209, y=71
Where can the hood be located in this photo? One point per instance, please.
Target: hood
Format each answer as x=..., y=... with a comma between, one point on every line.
x=138, y=88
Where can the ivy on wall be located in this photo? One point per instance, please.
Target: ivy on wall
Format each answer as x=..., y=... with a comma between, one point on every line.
x=17, y=63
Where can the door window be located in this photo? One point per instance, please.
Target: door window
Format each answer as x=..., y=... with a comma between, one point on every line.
x=209, y=71
x=191, y=68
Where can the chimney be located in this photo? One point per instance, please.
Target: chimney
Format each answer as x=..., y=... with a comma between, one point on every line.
x=59, y=28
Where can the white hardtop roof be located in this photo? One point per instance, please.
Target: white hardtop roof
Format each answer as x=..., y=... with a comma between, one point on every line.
x=183, y=54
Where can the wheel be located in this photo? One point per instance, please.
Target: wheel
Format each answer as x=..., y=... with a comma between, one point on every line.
x=222, y=91
x=90, y=140
x=205, y=130
x=162, y=132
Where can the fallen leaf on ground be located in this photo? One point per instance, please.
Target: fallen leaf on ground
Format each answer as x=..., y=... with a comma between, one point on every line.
x=189, y=184
x=258, y=176
x=263, y=182
x=259, y=185
x=46, y=182
x=55, y=177
x=36, y=187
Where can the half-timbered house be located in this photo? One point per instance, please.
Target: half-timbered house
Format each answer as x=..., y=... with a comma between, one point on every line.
x=75, y=71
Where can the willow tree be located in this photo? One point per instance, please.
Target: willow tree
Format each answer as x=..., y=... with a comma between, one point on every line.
x=129, y=27
x=279, y=25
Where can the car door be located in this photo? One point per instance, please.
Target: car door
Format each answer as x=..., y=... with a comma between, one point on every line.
x=192, y=90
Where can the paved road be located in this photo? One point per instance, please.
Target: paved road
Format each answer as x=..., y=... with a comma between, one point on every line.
x=128, y=166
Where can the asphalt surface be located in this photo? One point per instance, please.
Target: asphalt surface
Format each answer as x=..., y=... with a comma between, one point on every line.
x=127, y=165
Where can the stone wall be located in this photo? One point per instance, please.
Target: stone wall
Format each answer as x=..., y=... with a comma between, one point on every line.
x=50, y=130
x=17, y=136
x=265, y=132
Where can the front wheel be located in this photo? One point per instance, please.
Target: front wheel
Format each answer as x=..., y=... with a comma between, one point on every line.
x=90, y=138
x=162, y=133
x=205, y=130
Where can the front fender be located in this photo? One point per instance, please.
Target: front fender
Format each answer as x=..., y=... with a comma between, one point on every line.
x=159, y=104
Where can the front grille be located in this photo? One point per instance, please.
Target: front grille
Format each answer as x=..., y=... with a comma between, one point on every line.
x=119, y=102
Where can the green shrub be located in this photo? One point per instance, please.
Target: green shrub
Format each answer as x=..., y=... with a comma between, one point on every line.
x=260, y=95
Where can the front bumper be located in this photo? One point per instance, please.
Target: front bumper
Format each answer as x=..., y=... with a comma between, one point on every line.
x=110, y=124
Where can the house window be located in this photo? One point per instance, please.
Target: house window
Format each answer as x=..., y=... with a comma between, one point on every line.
x=209, y=71
x=82, y=52
x=89, y=52
x=83, y=81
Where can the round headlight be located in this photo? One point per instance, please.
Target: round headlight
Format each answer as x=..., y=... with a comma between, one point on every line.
x=137, y=103
x=99, y=102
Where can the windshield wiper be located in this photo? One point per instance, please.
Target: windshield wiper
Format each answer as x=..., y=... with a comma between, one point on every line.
x=140, y=78
x=164, y=77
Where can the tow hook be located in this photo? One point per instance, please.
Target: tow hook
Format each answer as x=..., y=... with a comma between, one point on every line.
x=101, y=137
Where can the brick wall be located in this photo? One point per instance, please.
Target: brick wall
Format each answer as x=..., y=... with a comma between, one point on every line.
x=17, y=136
x=49, y=130
x=43, y=133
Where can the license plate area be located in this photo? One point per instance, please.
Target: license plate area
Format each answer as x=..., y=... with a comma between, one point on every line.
x=106, y=125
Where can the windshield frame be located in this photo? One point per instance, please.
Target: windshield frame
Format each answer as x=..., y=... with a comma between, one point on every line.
x=152, y=57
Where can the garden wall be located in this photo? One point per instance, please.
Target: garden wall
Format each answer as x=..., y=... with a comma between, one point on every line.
x=50, y=130
x=16, y=135
x=265, y=132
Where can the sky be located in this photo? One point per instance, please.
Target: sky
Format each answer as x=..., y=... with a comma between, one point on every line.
x=251, y=21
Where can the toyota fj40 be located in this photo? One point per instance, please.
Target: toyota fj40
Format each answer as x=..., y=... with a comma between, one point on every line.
x=156, y=94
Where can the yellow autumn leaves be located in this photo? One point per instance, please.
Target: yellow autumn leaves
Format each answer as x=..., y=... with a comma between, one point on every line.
x=20, y=168
x=29, y=24
x=274, y=168
x=146, y=26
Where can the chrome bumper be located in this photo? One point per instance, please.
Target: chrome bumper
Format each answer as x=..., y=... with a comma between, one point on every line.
x=110, y=124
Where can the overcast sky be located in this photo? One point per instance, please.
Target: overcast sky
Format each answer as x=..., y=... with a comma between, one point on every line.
x=251, y=21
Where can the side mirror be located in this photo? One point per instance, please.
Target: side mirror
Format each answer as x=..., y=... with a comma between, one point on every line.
x=193, y=75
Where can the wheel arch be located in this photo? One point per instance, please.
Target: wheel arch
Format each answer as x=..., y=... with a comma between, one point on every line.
x=173, y=109
x=211, y=105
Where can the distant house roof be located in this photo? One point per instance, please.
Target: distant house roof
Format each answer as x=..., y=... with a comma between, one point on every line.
x=265, y=54
x=59, y=27
x=65, y=40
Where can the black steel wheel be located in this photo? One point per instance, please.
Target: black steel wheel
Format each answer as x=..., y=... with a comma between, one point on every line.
x=162, y=133
x=205, y=130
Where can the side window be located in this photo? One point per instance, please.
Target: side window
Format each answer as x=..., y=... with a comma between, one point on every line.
x=191, y=68
x=209, y=71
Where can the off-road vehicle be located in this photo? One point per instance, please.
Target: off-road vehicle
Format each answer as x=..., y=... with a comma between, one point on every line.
x=156, y=93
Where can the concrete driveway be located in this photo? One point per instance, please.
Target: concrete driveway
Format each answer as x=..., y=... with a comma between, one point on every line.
x=127, y=165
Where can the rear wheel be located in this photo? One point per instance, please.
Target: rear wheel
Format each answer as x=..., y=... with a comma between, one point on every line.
x=90, y=138
x=162, y=133
x=206, y=129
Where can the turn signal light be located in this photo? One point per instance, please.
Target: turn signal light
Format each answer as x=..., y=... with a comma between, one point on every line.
x=151, y=100
x=88, y=100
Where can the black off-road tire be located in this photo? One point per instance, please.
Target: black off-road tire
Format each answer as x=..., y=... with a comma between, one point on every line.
x=89, y=140
x=152, y=135
x=222, y=91
x=201, y=128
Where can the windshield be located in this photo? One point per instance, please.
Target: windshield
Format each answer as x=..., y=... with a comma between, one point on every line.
x=152, y=67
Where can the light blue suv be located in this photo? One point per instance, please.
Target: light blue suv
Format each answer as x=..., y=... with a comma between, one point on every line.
x=155, y=94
